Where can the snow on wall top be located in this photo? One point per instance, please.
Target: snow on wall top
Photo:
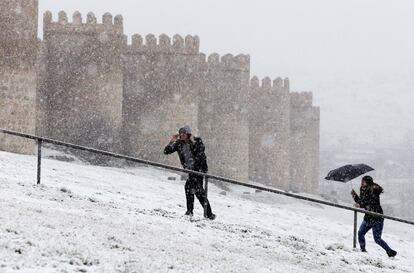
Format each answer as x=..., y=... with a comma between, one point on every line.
x=77, y=25
x=239, y=62
x=188, y=45
x=277, y=85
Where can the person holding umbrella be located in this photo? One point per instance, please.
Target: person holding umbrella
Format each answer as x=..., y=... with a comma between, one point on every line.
x=369, y=199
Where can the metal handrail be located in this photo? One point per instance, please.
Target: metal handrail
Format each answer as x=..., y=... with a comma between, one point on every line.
x=41, y=140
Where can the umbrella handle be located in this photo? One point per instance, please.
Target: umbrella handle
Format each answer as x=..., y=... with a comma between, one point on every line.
x=352, y=186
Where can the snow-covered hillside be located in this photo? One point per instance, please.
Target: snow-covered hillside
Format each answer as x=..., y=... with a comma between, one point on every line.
x=98, y=219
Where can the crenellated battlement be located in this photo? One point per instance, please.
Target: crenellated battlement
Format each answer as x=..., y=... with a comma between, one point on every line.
x=240, y=62
x=164, y=44
x=301, y=99
x=267, y=84
x=96, y=89
x=78, y=25
x=89, y=53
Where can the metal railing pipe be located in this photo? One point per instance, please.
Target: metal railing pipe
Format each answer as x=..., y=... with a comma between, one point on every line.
x=39, y=160
x=206, y=175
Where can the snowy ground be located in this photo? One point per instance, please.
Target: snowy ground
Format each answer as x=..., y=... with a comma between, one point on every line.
x=96, y=219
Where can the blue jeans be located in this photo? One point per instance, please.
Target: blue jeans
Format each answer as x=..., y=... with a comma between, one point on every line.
x=376, y=231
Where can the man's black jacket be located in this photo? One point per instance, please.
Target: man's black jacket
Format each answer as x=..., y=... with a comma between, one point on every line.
x=197, y=148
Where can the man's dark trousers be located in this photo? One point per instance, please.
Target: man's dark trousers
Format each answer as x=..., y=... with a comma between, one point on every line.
x=194, y=186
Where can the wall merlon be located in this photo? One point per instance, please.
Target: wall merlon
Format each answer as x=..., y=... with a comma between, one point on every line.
x=77, y=18
x=107, y=19
x=119, y=20
x=178, y=43
x=192, y=44
x=266, y=83
x=278, y=82
x=229, y=62
x=227, y=59
x=62, y=18
x=213, y=59
x=164, y=43
x=254, y=83
x=119, y=23
x=109, y=24
x=91, y=19
x=47, y=17
x=151, y=42
x=137, y=41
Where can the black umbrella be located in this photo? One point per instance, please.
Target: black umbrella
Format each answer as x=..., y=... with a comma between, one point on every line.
x=348, y=172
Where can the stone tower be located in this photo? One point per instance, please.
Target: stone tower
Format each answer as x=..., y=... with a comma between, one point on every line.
x=269, y=125
x=83, y=88
x=161, y=90
x=304, y=143
x=223, y=122
x=18, y=50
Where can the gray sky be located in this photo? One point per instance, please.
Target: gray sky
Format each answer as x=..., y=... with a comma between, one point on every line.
x=358, y=50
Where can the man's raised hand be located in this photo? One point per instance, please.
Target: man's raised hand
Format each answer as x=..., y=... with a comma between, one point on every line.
x=174, y=138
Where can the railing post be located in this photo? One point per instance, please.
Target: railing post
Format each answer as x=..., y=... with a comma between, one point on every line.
x=206, y=195
x=355, y=228
x=39, y=160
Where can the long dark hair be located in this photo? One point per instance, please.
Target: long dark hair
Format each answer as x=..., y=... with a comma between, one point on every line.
x=370, y=182
x=368, y=179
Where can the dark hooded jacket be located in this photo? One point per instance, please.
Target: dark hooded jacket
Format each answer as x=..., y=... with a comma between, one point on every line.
x=369, y=199
x=197, y=149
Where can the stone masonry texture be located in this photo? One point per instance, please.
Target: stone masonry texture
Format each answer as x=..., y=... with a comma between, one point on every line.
x=84, y=83
x=223, y=114
x=161, y=89
x=269, y=125
x=18, y=47
x=84, y=80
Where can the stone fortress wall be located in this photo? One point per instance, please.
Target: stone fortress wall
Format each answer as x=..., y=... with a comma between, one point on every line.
x=223, y=114
x=18, y=53
x=161, y=88
x=84, y=84
x=84, y=80
x=304, y=142
x=269, y=127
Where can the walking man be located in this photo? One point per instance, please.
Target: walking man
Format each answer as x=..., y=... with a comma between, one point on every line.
x=369, y=199
x=192, y=157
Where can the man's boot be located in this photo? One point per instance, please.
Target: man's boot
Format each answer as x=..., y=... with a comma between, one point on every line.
x=211, y=217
